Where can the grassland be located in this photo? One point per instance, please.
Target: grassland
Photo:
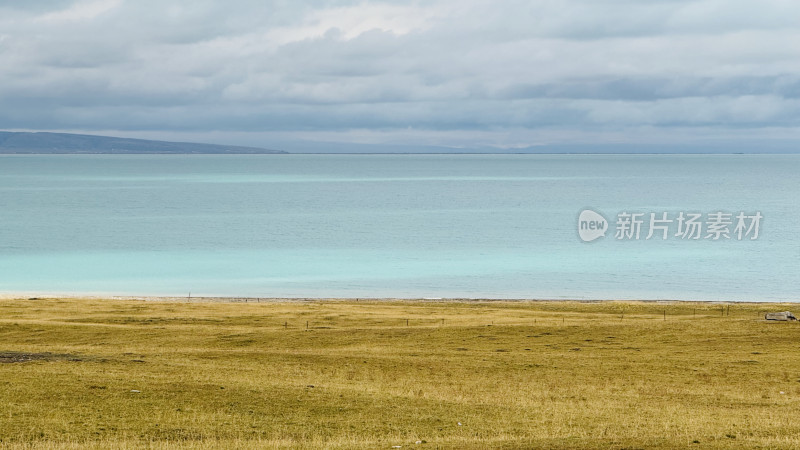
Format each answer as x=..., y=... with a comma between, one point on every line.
x=77, y=373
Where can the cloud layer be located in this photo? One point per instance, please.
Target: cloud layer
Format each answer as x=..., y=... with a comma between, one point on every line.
x=510, y=74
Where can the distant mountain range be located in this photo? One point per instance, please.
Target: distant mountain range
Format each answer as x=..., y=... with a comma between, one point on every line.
x=68, y=143
x=64, y=143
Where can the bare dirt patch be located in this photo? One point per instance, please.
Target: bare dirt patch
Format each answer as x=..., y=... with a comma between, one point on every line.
x=19, y=357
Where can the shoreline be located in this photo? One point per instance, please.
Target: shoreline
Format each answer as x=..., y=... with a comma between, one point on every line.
x=256, y=300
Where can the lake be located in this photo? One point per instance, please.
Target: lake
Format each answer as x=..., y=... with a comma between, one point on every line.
x=496, y=226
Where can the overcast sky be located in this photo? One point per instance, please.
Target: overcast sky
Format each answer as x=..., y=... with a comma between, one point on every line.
x=451, y=73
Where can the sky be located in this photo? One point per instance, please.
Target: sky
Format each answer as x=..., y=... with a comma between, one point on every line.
x=460, y=75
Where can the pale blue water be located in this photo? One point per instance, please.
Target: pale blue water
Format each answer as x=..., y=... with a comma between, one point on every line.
x=499, y=226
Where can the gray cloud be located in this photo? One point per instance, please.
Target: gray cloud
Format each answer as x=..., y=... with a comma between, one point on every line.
x=506, y=74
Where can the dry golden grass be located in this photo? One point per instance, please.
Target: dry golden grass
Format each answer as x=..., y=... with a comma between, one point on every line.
x=456, y=375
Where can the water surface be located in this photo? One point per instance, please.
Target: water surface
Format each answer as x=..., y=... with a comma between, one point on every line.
x=500, y=226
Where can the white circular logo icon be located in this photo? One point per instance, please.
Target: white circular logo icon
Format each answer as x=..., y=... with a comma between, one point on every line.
x=591, y=225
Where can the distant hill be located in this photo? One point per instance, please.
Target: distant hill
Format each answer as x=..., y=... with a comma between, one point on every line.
x=64, y=143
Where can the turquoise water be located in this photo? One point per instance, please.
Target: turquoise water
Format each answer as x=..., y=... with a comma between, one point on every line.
x=499, y=226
